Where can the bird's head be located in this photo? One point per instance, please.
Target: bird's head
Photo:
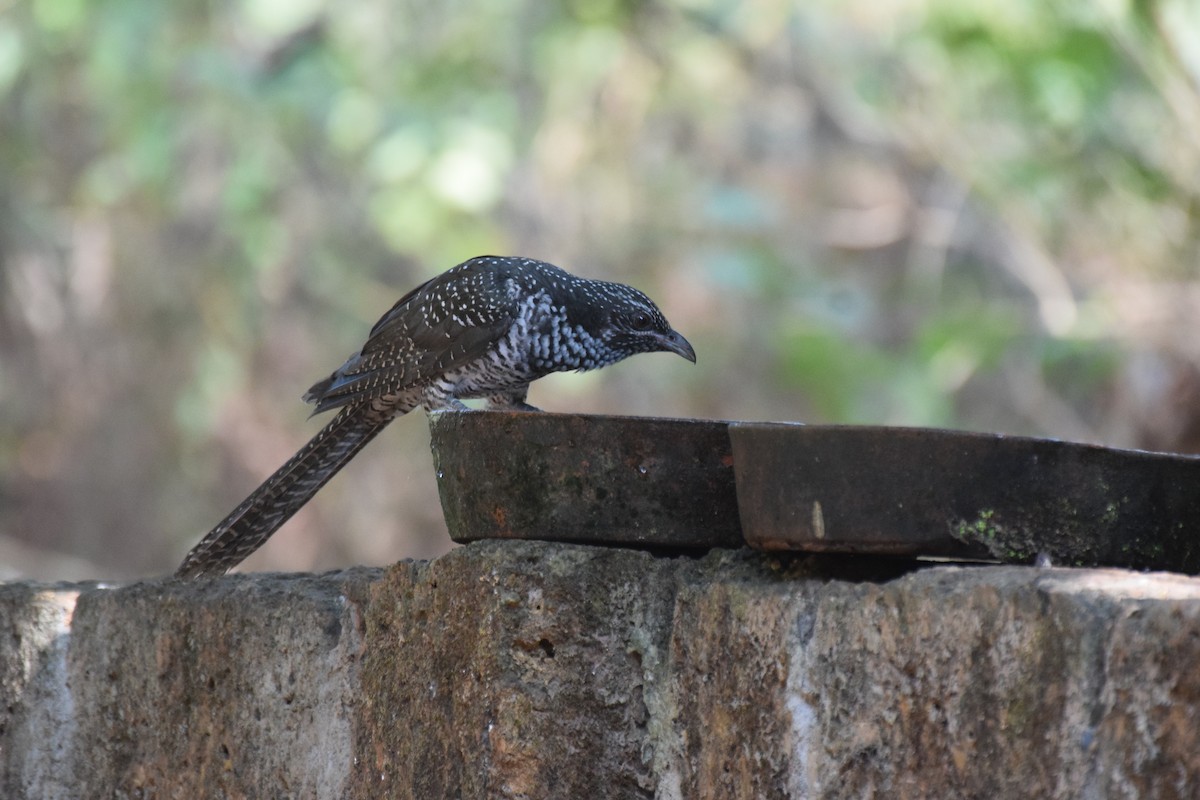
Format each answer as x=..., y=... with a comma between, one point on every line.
x=629, y=322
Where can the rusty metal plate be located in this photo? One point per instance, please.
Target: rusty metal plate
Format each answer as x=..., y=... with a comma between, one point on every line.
x=578, y=478
x=912, y=491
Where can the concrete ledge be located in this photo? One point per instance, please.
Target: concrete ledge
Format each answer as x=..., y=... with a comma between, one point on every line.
x=518, y=669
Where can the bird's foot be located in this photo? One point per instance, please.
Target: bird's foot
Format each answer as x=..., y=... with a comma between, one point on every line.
x=508, y=406
x=447, y=404
x=509, y=401
x=514, y=407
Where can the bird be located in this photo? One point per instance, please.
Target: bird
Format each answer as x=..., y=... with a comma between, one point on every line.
x=486, y=328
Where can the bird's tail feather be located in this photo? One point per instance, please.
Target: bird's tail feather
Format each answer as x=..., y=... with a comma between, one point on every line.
x=280, y=496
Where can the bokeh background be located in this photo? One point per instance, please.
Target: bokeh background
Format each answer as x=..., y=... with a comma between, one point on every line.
x=957, y=213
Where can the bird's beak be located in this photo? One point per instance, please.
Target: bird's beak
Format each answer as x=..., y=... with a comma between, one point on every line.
x=672, y=342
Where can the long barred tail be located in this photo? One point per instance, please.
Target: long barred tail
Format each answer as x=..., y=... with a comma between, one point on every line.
x=280, y=496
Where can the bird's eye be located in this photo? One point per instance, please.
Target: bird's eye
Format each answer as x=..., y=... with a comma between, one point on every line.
x=641, y=321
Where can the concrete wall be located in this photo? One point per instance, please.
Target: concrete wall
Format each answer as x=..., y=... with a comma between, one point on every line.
x=531, y=670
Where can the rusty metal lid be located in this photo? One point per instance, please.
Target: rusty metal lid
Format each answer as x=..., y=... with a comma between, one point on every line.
x=913, y=491
x=575, y=478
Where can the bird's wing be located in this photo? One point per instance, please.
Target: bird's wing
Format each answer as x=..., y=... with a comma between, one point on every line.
x=442, y=324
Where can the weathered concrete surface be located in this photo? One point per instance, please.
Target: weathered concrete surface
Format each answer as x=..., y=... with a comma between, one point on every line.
x=519, y=669
x=35, y=624
x=163, y=690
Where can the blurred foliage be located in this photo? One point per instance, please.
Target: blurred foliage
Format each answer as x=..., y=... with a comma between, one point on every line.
x=935, y=212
